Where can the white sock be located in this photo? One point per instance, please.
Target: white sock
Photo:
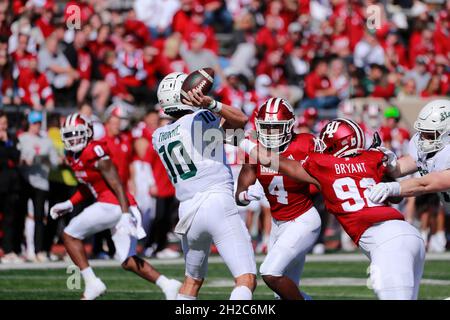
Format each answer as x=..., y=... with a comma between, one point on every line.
x=241, y=293
x=185, y=297
x=88, y=274
x=162, y=281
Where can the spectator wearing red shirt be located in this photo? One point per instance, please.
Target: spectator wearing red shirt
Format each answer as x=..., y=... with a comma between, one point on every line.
x=102, y=43
x=21, y=57
x=421, y=44
x=318, y=90
x=395, y=52
x=156, y=67
x=197, y=24
x=232, y=92
x=120, y=144
x=109, y=72
x=433, y=88
x=34, y=89
x=393, y=135
x=45, y=21
x=80, y=59
x=137, y=28
x=182, y=16
x=270, y=37
x=442, y=34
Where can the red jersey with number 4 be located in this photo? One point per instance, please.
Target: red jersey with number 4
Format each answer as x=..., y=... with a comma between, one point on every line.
x=344, y=182
x=85, y=168
x=288, y=198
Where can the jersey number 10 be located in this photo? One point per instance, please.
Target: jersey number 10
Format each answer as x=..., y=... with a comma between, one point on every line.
x=178, y=161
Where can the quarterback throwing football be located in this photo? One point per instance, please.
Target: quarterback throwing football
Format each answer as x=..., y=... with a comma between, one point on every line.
x=192, y=151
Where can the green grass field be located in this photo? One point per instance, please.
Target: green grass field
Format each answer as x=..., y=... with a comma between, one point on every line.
x=321, y=280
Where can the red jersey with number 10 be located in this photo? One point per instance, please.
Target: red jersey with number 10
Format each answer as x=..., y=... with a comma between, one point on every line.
x=344, y=182
x=288, y=198
x=85, y=168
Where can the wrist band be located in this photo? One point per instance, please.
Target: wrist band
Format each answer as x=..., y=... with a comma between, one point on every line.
x=247, y=145
x=243, y=198
x=215, y=106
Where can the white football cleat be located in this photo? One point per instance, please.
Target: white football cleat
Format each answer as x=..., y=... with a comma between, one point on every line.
x=171, y=289
x=168, y=253
x=11, y=258
x=437, y=242
x=94, y=289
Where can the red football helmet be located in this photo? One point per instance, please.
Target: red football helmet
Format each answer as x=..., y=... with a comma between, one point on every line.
x=340, y=137
x=76, y=132
x=274, y=123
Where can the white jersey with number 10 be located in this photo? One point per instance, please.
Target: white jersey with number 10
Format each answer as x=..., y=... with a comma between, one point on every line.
x=192, y=152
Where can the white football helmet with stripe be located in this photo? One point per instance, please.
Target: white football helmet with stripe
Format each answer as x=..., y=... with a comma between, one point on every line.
x=274, y=123
x=169, y=93
x=433, y=125
x=76, y=132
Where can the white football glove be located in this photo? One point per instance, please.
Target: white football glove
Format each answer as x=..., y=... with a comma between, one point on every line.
x=391, y=158
x=381, y=191
x=127, y=225
x=61, y=209
x=252, y=194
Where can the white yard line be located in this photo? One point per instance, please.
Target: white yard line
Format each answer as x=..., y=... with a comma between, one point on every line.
x=347, y=257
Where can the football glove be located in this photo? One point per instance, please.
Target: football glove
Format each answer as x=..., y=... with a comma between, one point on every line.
x=127, y=225
x=391, y=162
x=252, y=194
x=381, y=191
x=61, y=209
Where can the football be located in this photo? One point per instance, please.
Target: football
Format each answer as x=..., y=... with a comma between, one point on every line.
x=202, y=79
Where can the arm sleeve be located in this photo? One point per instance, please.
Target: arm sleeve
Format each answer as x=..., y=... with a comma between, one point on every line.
x=80, y=195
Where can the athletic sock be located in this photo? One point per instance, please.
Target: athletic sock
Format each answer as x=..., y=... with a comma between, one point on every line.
x=88, y=274
x=241, y=293
x=162, y=281
x=185, y=297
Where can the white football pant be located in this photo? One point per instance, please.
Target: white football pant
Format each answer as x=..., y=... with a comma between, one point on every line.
x=397, y=255
x=102, y=216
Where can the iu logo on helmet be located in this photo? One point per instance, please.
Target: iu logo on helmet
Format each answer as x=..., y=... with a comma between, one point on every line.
x=331, y=128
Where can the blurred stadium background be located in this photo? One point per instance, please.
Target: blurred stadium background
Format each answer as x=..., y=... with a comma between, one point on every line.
x=105, y=58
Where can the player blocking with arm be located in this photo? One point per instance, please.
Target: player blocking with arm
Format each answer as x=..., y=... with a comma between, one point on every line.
x=343, y=171
x=115, y=209
x=192, y=151
x=295, y=222
x=429, y=153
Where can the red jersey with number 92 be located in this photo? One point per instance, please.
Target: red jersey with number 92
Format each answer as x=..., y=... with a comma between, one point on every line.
x=288, y=198
x=87, y=173
x=344, y=182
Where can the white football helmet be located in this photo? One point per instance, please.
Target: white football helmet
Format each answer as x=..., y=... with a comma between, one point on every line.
x=76, y=132
x=433, y=125
x=169, y=93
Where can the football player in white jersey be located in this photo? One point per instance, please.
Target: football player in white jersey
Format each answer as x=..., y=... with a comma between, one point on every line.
x=429, y=153
x=192, y=150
